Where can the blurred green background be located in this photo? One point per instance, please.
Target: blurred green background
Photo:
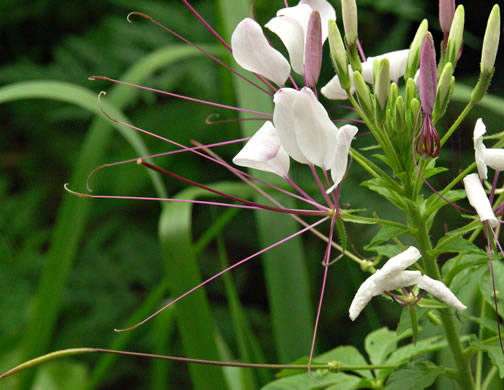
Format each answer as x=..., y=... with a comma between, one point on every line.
x=70, y=275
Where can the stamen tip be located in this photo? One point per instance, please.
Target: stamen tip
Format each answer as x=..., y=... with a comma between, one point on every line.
x=91, y=78
x=139, y=161
x=128, y=18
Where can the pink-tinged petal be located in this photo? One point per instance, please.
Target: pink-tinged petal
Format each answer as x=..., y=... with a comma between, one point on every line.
x=400, y=262
x=326, y=12
x=252, y=52
x=290, y=31
x=441, y=292
x=428, y=75
x=333, y=90
x=479, y=148
x=399, y=280
x=344, y=139
x=479, y=200
x=313, y=51
x=397, y=59
x=304, y=127
x=446, y=13
x=264, y=152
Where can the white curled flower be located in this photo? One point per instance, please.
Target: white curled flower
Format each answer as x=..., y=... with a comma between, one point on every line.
x=478, y=199
x=494, y=158
x=397, y=59
x=393, y=276
x=441, y=292
x=252, y=51
x=307, y=133
x=264, y=152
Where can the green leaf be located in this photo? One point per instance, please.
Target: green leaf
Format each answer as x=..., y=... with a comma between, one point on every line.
x=62, y=375
x=379, y=344
x=299, y=382
x=434, y=202
x=416, y=376
x=385, y=234
x=494, y=352
x=454, y=244
x=456, y=265
x=486, y=286
x=404, y=354
x=380, y=186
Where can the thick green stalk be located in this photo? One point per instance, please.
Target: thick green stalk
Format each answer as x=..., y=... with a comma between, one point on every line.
x=451, y=333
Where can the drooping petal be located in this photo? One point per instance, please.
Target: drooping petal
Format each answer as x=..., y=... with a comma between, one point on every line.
x=264, y=152
x=326, y=11
x=366, y=291
x=344, y=139
x=478, y=199
x=306, y=132
x=292, y=34
x=441, y=292
x=397, y=59
x=494, y=158
x=252, y=52
x=333, y=90
x=479, y=148
x=400, y=262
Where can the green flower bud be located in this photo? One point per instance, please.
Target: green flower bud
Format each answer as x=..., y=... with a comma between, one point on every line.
x=491, y=41
x=455, y=39
x=410, y=90
x=381, y=88
x=414, y=52
x=444, y=90
x=399, y=114
x=363, y=94
x=349, y=11
x=338, y=55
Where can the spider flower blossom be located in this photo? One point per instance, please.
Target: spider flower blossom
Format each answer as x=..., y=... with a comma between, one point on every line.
x=303, y=31
x=393, y=275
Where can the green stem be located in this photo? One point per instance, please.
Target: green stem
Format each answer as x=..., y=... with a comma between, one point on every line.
x=451, y=332
x=489, y=378
x=333, y=366
x=459, y=120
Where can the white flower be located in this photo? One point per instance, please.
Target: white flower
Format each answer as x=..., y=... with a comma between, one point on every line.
x=393, y=276
x=252, y=51
x=397, y=59
x=264, y=152
x=494, y=158
x=478, y=199
x=307, y=133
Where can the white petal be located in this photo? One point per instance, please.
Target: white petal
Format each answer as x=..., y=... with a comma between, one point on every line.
x=333, y=90
x=301, y=13
x=290, y=31
x=252, y=52
x=344, y=139
x=398, y=60
x=264, y=152
x=494, y=158
x=399, y=280
x=478, y=199
x=326, y=11
x=440, y=291
x=366, y=291
x=400, y=262
x=304, y=127
x=479, y=148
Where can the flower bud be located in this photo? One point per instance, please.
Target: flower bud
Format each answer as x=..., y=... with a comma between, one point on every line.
x=428, y=76
x=338, y=55
x=349, y=10
x=410, y=90
x=382, y=88
x=399, y=114
x=490, y=41
x=455, y=39
x=414, y=52
x=363, y=94
x=446, y=13
x=443, y=92
x=313, y=50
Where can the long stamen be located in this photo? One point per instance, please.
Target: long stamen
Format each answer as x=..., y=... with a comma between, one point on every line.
x=231, y=197
x=222, y=272
x=493, y=279
x=319, y=309
x=205, y=23
x=210, y=121
x=92, y=78
x=227, y=166
x=198, y=48
x=321, y=187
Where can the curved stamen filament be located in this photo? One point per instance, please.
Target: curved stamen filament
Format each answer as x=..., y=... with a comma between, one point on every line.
x=222, y=272
x=92, y=78
x=197, y=48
